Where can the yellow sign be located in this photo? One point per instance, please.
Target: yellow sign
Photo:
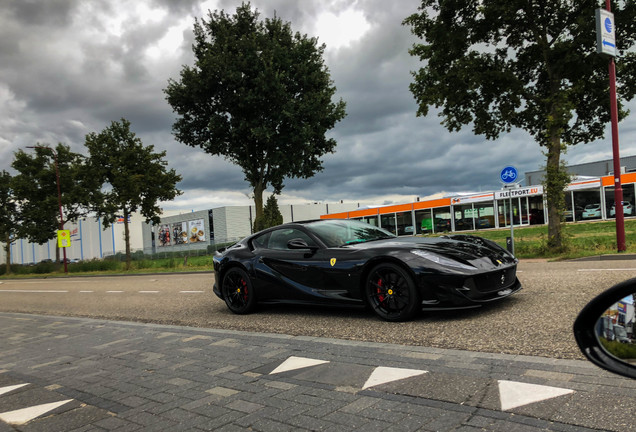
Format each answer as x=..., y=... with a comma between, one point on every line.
x=332, y=262
x=63, y=238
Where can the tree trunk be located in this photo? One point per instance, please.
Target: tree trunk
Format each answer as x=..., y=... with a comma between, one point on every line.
x=127, y=239
x=258, y=201
x=7, y=249
x=554, y=193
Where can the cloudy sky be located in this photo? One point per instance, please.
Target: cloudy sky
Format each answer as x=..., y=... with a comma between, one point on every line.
x=70, y=67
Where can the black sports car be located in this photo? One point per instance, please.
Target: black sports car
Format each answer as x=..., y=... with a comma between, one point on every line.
x=347, y=262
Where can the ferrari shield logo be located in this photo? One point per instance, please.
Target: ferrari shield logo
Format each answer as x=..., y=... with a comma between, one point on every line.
x=332, y=262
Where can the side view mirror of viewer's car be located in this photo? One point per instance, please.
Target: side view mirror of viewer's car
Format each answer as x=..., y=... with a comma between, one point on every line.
x=604, y=329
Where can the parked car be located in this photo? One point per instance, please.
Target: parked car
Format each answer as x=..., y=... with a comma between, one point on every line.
x=464, y=224
x=592, y=211
x=628, y=210
x=577, y=214
x=442, y=225
x=536, y=217
x=620, y=334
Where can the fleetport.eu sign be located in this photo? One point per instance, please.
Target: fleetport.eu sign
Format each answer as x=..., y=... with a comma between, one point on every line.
x=519, y=192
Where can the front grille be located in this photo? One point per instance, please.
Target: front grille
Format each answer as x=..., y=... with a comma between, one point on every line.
x=494, y=281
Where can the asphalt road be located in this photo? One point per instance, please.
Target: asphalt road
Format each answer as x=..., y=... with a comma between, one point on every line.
x=536, y=321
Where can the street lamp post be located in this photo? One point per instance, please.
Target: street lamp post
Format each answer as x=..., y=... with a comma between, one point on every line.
x=59, y=198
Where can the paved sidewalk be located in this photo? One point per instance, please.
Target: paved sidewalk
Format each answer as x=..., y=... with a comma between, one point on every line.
x=73, y=374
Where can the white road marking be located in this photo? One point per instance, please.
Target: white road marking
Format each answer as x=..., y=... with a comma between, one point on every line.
x=515, y=394
x=46, y=282
x=8, y=389
x=24, y=415
x=294, y=362
x=34, y=291
x=383, y=375
x=609, y=269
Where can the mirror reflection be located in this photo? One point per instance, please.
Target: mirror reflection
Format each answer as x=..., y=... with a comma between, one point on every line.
x=615, y=330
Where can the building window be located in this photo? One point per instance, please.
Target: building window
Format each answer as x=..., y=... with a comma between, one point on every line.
x=387, y=221
x=424, y=221
x=404, y=223
x=441, y=219
x=590, y=202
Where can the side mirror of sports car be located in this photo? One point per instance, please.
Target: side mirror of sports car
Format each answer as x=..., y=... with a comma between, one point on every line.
x=604, y=329
x=300, y=244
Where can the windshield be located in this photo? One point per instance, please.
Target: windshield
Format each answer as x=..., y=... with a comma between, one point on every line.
x=336, y=232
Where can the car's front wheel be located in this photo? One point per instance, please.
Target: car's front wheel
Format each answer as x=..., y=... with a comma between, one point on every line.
x=391, y=293
x=238, y=292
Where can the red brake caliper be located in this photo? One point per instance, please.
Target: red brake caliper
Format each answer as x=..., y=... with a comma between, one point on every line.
x=244, y=289
x=379, y=291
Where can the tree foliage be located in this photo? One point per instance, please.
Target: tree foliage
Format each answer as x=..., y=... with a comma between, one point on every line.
x=503, y=64
x=35, y=190
x=259, y=95
x=271, y=215
x=8, y=216
x=135, y=178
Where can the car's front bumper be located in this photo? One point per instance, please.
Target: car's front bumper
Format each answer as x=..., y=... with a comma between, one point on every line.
x=465, y=291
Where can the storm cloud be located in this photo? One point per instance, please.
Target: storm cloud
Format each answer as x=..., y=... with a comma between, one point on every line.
x=71, y=67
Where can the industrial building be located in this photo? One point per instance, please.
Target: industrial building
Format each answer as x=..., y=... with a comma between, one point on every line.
x=176, y=232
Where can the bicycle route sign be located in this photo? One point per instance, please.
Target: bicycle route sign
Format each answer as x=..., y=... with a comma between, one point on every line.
x=508, y=174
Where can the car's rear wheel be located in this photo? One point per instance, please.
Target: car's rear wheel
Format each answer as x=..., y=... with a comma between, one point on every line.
x=391, y=293
x=237, y=291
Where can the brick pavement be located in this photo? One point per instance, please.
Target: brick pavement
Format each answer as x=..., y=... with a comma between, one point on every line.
x=118, y=376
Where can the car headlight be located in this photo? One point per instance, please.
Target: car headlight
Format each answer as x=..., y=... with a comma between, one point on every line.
x=440, y=259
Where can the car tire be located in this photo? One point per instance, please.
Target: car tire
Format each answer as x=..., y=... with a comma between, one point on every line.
x=391, y=293
x=238, y=292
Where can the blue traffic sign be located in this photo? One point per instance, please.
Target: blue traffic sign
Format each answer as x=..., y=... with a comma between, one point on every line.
x=508, y=174
x=605, y=33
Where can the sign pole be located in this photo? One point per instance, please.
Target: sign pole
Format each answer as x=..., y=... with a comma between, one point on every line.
x=618, y=189
x=512, y=229
x=606, y=45
x=508, y=177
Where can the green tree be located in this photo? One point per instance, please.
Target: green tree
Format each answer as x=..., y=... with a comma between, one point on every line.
x=258, y=95
x=8, y=216
x=499, y=64
x=135, y=178
x=36, y=190
x=271, y=215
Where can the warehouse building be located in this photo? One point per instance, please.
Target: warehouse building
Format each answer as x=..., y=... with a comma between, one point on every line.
x=195, y=230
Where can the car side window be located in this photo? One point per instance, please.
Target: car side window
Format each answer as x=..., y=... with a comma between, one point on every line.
x=278, y=239
x=261, y=241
